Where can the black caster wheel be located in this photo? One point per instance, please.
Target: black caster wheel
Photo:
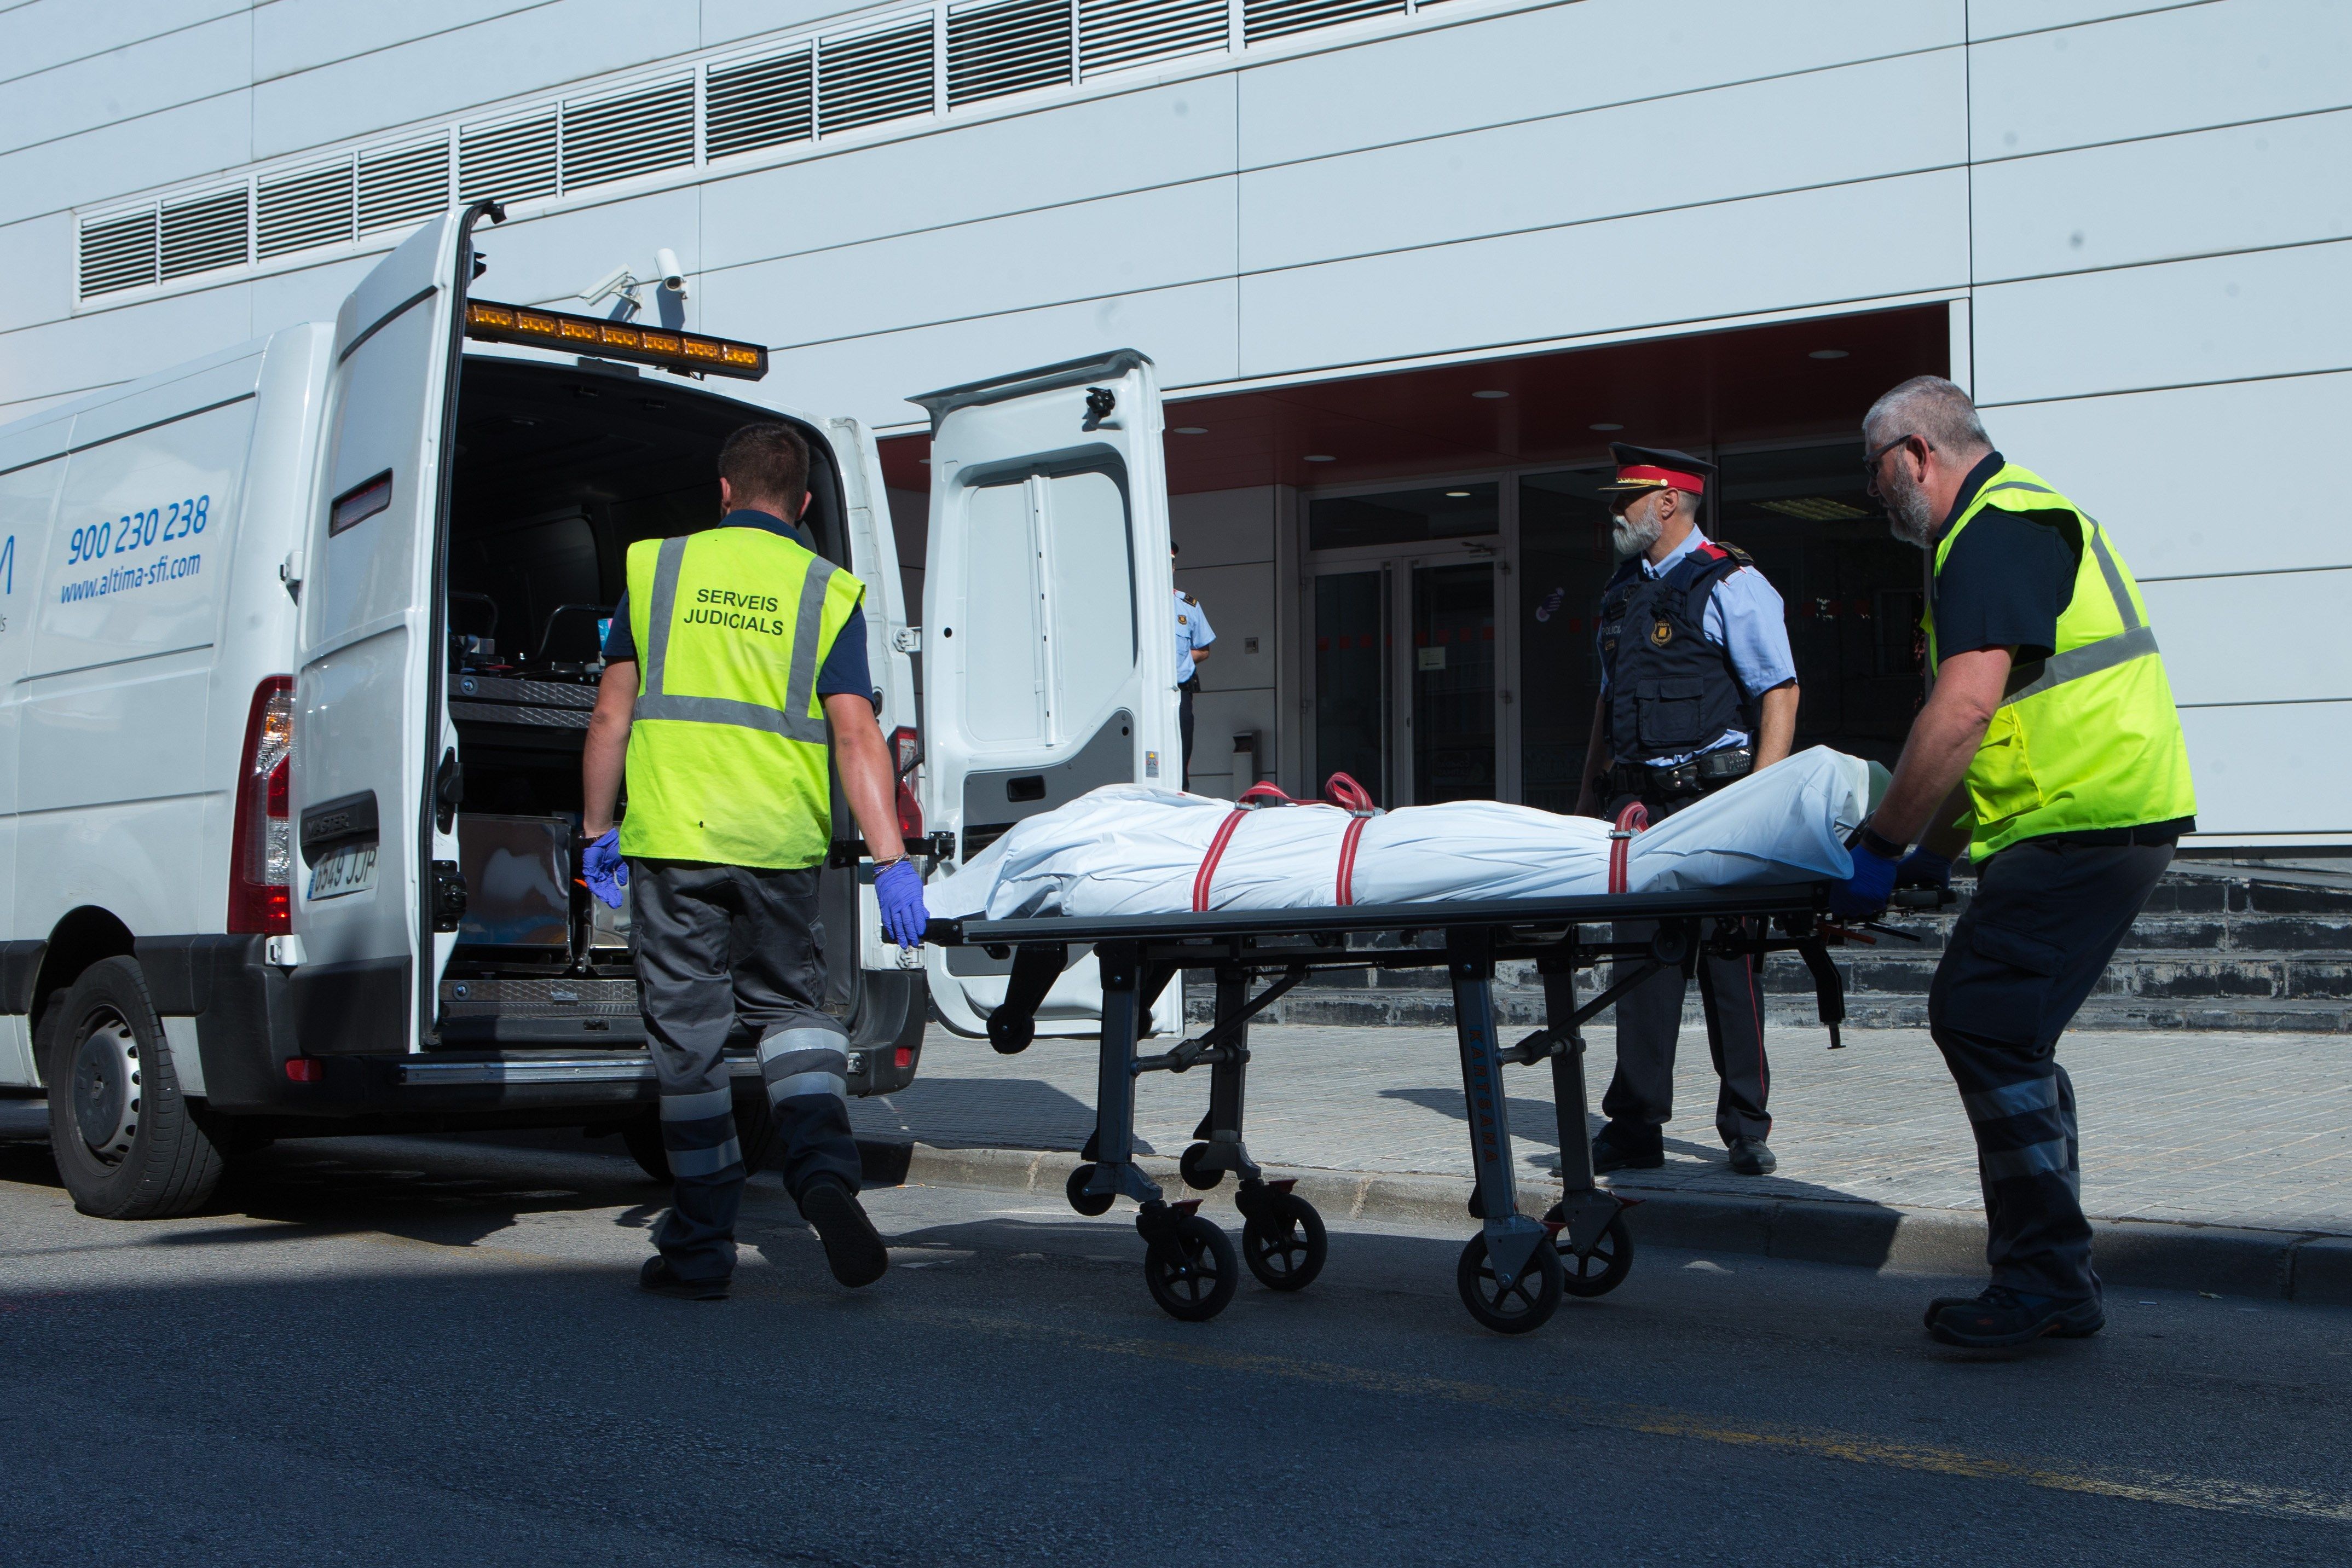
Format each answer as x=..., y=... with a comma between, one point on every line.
x=1603, y=1269
x=1188, y=1166
x=1086, y=1202
x=1529, y=1302
x=1284, y=1243
x=1191, y=1270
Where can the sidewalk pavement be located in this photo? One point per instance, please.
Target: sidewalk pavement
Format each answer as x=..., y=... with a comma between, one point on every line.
x=2212, y=1160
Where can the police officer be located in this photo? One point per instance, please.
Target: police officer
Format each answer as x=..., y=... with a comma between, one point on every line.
x=1698, y=689
x=2048, y=745
x=1194, y=635
x=732, y=652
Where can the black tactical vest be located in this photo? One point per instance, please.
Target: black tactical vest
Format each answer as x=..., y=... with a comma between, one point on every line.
x=1671, y=691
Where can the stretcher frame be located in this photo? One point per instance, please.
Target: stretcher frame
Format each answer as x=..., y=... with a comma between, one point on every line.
x=1521, y=1264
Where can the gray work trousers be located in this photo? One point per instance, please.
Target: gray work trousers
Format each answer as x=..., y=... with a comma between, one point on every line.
x=722, y=949
x=2046, y=917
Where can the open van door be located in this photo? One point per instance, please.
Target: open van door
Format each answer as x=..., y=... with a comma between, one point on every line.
x=1049, y=661
x=375, y=775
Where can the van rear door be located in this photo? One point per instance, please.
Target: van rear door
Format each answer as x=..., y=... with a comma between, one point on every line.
x=373, y=742
x=1049, y=662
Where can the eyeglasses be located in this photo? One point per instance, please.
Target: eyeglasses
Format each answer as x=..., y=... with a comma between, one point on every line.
x=1870, y=459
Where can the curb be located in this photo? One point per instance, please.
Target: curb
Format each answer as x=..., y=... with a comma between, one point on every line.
x=2298, y=1266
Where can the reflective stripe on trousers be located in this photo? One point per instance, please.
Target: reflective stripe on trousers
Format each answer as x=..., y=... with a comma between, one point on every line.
x=699, y=1135
x=795, y=1061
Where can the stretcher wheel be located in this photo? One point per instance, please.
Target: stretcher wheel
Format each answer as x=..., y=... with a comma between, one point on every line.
x=1603, y=1269
x=1191, y=1270
x=1188, y=1166
x=1284, y=1242
x=1086, y=1202
x=1529, y=1302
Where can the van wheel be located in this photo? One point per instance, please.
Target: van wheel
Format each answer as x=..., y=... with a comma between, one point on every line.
x=119, y=1126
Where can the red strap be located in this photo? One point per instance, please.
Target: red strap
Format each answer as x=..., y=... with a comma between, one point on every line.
x=1632, y=820
x=1348, y=859
x=1344, y=791
x=1208, y=870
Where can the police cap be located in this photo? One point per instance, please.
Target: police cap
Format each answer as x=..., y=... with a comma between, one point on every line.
x=1657, y=467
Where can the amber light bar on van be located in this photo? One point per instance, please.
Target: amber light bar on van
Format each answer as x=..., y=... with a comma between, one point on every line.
x=685, y=352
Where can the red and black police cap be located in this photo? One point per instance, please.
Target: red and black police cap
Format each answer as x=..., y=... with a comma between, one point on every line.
x=1657, y=467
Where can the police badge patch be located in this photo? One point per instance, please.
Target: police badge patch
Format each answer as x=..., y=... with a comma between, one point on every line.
x=1662, y=633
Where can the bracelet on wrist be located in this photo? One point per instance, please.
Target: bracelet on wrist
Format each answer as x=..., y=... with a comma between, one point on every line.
x=1880, y=845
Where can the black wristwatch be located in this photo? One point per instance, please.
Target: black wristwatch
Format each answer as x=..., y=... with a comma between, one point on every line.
x=1878, y=844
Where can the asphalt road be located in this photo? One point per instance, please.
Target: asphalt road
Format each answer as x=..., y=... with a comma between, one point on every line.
x=433, y=1352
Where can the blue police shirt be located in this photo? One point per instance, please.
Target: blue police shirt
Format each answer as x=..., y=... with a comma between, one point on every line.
x=1744, y=618
x=846, y=668
x=1193, y=631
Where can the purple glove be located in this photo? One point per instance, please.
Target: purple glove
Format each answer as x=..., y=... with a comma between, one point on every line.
x=1863, y=895
x=603, y=870
x=898, y=888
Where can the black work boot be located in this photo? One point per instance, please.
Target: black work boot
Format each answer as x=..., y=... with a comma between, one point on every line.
x=656, y=1277
x=2003, y=1317
x=1750, y=1157
x=853, y=1248
x=1617, y=1149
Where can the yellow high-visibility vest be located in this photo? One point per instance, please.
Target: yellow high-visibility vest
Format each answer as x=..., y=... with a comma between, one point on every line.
x=2092, y=740
x=728, y=747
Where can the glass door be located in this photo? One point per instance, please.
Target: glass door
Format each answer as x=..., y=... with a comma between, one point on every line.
x=1353, y=650
x=1451, y=720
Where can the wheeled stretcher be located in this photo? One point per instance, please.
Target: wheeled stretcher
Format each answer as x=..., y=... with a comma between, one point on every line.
x=1513, y=1271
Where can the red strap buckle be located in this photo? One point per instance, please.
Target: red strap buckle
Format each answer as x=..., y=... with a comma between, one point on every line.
x=1632, y=820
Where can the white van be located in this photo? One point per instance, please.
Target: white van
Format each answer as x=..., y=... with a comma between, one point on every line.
x=299, y=644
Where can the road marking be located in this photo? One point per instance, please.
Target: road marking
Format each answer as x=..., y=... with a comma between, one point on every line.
x=2212, y=1494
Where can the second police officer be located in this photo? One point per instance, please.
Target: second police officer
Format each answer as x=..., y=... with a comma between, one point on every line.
x=1698, y=689
x=1194, y=635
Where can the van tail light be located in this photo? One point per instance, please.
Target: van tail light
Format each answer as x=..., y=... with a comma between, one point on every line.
x=261, y=850
x=905, y=750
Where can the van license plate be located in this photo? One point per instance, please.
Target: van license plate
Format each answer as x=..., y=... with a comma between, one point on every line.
x=347, y=869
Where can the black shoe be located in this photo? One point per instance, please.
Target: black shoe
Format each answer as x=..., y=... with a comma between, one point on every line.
x=2003, y=1317
x=1608, y=1154
x=1750, y=1157
x=656, y=1277
x=853, y=1248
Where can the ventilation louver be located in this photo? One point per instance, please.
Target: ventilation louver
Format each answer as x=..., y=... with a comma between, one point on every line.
x=635, y=133
x=401, y=185
x=511, y=161
x=1263, y=19
x=300, y=211
x=1114, y=33
x=763, y=103
x=118, y=253
x=874, y=77
x=1002, y=47
x=206, y=234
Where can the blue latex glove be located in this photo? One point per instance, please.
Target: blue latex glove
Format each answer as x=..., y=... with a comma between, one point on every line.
x=1863, y=895
x=1924, y=868
x=898, y=888
x=603, y=870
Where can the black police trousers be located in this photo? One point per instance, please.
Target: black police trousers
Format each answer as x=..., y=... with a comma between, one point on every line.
x=2046, y=917
x=728, y=952
x=1641, y=1095
x=1184, y=729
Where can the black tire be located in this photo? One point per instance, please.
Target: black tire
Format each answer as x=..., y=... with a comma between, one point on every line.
x=1530, y=1302
x=1284, y=1243
x=642, y=1137
x=1090, y=1204
x=1603, y=1269
x=1191, y=1271
x=120, y=1129
x=1188, y=1166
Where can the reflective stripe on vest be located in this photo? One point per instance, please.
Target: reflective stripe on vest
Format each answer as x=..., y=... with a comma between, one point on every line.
x=727, y=748
x=2093, y=740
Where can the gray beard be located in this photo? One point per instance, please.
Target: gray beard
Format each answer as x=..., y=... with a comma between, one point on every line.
x=1632, y=539
x=1907, y=517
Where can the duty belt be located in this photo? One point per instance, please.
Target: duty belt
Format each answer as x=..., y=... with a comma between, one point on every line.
x=1709, y=771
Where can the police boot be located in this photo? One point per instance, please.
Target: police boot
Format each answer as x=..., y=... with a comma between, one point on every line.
x=656, y=1276
x=2001, y=1317
x=853, y=1248
x=1619, y=1149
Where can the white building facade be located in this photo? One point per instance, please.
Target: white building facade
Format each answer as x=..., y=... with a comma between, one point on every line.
x=1405, y=269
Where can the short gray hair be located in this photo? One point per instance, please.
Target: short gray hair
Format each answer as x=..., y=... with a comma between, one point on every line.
x=1929, y=407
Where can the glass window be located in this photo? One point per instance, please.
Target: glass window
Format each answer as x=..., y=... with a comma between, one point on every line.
x=1565, y=561
x=1403, y=516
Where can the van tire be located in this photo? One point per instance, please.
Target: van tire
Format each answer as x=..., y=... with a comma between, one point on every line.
x=108, y=1061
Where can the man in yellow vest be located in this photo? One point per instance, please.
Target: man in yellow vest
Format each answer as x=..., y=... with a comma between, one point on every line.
x=2049, y=748
x=736, y=669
